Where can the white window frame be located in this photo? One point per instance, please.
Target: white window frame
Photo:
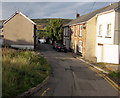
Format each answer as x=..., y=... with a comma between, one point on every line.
x=76, y=30
x=109, y=30
x=81, y=27
x=64, y=41
x=64, y=31
x=100, y=30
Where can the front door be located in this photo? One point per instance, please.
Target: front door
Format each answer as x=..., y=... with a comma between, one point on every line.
x=100, y=53
x=80, y=46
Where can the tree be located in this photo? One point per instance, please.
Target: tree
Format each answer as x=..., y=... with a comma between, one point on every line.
x=54, y=29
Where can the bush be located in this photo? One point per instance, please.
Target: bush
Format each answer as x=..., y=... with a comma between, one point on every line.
x=22, y=70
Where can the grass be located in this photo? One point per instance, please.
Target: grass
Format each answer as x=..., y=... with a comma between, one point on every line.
x=107, y=64
x=22, y=70
x=115, y=74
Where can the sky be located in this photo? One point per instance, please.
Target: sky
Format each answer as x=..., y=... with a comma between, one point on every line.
x=39, y=10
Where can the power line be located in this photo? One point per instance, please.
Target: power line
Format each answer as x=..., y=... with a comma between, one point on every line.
x=92, y=6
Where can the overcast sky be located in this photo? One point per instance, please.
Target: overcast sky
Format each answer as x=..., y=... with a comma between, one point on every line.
x=37, y=10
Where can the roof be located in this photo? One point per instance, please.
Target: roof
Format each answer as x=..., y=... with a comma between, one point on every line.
x=20, y=14
x=88, y=16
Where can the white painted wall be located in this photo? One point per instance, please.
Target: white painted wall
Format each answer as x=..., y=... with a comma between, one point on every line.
x=111, y=54
x=105, y=19
x=108, y=52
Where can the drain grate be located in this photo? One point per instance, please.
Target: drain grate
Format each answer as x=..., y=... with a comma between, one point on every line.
x=68, y=68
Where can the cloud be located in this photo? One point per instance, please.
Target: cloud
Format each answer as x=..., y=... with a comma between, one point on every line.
x=49, y=9
x=59, y=0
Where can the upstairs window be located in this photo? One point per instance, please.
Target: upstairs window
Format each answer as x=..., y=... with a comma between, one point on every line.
x=100, y=30
x=109, y=30
x=75, y=33
x=81, y=27
x=76, y=30
x=64, y=31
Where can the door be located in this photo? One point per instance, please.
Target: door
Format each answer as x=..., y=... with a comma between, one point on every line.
x=100, y=53
x=80, y=46
x=75, y=47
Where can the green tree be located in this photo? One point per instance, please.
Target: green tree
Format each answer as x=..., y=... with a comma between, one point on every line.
x=54, y=29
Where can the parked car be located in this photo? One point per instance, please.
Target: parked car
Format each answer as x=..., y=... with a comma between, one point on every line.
x=41, y=40
x=55, y=45
x=61, y=47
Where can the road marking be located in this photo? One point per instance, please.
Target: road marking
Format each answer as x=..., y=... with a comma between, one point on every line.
x=45, y=92
x=95, y=69
x=111, y=82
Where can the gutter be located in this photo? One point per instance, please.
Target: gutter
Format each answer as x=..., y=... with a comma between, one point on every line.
x=101, y=70
x=105, y=12
x=78, y=23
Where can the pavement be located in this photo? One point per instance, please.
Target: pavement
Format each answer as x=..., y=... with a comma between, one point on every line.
x=74, y=77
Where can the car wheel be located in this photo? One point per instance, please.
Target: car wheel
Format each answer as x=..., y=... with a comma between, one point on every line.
x=65, y=51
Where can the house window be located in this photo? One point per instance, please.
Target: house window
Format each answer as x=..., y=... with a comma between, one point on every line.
x=66, y=31
x=81, y=27
x=80, y=46
x=75, y=30
x=64, y=41
x=100, y=30
x=109, y=30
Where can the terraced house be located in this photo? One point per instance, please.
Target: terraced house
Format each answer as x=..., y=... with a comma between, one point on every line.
x=19, y=31
x=85, y=33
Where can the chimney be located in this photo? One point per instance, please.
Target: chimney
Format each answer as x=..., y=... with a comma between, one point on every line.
x=77, y=15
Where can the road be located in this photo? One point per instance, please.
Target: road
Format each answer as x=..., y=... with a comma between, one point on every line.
x=72, y=77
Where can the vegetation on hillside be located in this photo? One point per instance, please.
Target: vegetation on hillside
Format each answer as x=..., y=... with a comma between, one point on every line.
x=44, y=24
x=22, y=70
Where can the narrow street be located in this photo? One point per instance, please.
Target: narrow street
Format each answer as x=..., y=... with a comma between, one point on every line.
x=72, y=77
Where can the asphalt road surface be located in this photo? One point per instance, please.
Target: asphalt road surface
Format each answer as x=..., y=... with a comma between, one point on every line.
x=72, y=77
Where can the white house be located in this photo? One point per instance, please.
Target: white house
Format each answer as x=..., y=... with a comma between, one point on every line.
x=108, y=34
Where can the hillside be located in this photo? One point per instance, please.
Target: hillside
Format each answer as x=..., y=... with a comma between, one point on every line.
x=41, y=23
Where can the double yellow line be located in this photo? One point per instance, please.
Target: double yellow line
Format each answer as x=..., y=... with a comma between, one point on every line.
x=111, y=82
x=45, y=92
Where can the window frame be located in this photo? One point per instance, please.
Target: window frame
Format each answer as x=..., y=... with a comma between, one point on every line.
x=81, y=28
x=100, y=30
x=108, y=33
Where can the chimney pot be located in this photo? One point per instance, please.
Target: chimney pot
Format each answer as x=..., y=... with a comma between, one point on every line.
x=77, y=15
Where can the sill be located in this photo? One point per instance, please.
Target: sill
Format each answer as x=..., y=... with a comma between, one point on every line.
x=99, y=36
x=107, y=36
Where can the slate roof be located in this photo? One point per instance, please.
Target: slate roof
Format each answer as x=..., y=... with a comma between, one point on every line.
x=88, y=16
